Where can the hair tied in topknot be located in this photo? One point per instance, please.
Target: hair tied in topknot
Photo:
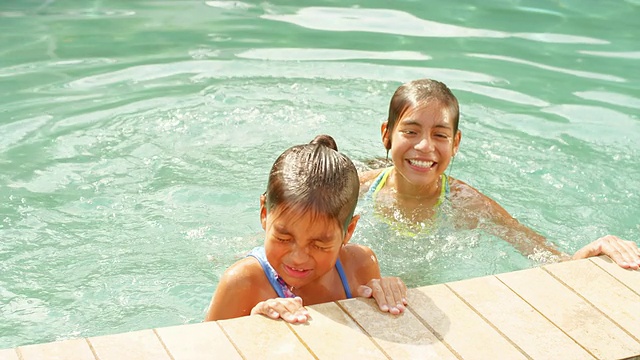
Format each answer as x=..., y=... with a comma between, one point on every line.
x=325, y=140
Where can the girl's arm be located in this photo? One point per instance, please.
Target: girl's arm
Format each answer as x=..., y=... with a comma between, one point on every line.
x=244, y=290
x=238, y=291
x=390, y=293
x=623, y=252
x=478, y=210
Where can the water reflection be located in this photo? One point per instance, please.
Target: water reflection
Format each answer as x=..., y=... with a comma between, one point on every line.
x=586, y=123
x=583, y=74
x=288, y=54
x=613, y=54
x=229, y=4
x=140, y=80
x=610, y=98
x=397, y=22
x=207, y=69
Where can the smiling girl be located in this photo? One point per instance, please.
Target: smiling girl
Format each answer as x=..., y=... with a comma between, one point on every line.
x=421, y=134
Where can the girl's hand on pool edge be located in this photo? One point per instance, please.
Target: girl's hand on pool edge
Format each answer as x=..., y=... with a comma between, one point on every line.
x=287, y=309
x=625, y=253
x=389, y=292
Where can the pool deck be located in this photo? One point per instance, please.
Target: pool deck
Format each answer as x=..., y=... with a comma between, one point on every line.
x=581, y=309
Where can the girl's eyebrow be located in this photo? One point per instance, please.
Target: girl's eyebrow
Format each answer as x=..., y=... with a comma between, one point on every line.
x=323, y=239
x=416, y=123
x=410, y=122
x=281, y=229
x=443, y=126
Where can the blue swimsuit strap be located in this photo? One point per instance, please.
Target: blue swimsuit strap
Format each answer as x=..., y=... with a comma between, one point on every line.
x=269, y=271
x=279, y=285
x=343, y=278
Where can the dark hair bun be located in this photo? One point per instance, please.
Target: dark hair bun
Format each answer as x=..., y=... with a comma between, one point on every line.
x=325, y=140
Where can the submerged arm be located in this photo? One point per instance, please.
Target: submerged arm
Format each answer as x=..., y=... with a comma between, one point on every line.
x=526, y=240
x=478, y=210
x=625, y=253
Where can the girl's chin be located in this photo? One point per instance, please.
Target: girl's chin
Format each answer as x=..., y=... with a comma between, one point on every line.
x=421, y=178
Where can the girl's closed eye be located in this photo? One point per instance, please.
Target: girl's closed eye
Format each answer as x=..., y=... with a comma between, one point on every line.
x=281, y=239
x=321, y=246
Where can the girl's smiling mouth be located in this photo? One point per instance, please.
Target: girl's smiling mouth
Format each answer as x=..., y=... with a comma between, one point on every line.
x=422, y=164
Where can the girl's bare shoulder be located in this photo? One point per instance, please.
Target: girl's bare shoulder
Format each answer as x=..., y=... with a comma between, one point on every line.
x=247, y=270
x=240, y=288
x=357, y=255
x=369, y=175
x=360, y=264
x=462, y=191
x=465, y=197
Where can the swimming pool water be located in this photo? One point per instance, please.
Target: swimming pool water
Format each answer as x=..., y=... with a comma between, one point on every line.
x=136, y=138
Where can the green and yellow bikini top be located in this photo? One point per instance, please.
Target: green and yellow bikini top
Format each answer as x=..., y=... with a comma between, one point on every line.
x=379, y=183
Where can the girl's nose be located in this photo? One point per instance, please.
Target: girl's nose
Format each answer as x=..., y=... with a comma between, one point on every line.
x=425, y=144
x=299, y=254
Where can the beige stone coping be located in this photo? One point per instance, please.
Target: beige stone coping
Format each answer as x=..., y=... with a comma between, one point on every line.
x=581, y=309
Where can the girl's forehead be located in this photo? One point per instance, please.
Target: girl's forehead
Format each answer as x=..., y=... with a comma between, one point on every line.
x=301, y=215
x=433, y=106
x=432, y=112
x=306, y=226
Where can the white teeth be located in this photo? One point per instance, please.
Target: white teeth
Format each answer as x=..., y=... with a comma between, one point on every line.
x=423, y=164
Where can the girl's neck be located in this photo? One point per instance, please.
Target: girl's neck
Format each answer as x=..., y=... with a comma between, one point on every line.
x=402, y=190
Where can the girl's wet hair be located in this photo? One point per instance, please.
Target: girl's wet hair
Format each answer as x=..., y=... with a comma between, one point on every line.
x=418, y=93
x=314, y=177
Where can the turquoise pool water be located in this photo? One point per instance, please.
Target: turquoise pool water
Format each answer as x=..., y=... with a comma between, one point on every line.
x=136, y=137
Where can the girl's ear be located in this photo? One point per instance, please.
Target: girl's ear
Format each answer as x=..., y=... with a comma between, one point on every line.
x=456, y=142
x=384, y=131
x=263, y=211
x=350, y=229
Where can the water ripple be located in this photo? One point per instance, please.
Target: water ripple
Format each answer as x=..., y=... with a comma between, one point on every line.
x=328, y=54
x=37, y=67
x=586, y=124
x=500, y=93
x=16, y=132
x=578, y=73
x=614, y=54
x=229, y=5
x=379, y=21
x=610, y=98
x=220, y=69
